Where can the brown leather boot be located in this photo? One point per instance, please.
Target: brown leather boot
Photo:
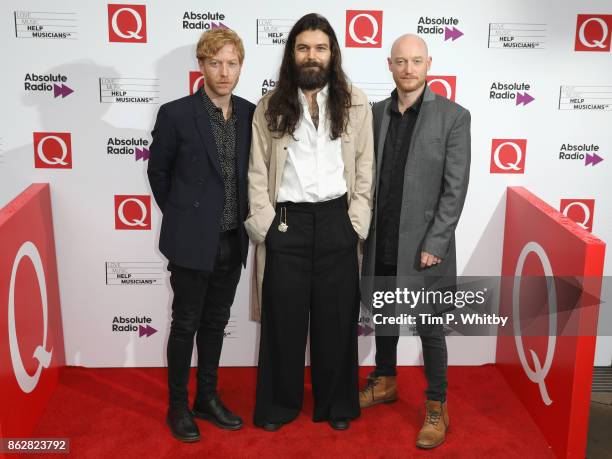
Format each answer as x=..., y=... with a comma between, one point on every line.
x=379, y=389
x=435, y=426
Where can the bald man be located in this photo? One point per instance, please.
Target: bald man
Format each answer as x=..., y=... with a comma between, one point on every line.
x=422, y=151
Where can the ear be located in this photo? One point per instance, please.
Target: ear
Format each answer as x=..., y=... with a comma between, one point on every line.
x=201, y=65
x=428, y=63
x=389, y=64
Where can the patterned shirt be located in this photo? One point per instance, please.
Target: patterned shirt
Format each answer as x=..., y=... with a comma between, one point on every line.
x=224, y=132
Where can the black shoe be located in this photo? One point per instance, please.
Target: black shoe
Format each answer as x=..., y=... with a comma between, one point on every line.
x=269, y=426
x=181, y=423
x=339, y=424
x=213, y=410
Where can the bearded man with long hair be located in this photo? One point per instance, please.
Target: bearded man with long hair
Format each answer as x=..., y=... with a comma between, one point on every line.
x=310, y=198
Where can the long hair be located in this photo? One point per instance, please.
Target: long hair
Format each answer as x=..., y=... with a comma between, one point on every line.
x=284, y=109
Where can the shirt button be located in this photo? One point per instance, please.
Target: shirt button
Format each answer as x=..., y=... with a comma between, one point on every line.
x=200, y=180
x=196, y=204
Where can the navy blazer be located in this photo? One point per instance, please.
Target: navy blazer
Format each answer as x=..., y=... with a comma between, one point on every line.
x=186, y=181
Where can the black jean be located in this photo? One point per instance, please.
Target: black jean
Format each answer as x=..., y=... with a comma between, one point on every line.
x=435, y=355
x=201, y=308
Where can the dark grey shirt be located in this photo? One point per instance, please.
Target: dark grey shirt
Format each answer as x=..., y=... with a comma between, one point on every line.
x=395, y=155
x=224, y=132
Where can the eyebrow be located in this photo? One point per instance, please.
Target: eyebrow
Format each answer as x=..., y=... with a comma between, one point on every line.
x=315, y=45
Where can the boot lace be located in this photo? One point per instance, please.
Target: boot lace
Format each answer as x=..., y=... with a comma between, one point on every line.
x=371, y=384
x=433, y=417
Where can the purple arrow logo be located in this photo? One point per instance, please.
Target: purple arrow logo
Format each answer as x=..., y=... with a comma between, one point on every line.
x=214, y=25
x=143, y=154
x=523, y=98
x=364, y=330
x=592, y=159
x=145, y=331
x=452, y=33
x=61, y=90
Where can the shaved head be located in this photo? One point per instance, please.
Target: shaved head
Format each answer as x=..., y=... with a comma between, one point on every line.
x=409, y=63
x=412, y=41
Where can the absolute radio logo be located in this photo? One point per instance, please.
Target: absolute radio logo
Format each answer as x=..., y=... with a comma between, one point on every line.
x=52, y=150
x=140, y=325
x=593, y=32
x=49, y=83
x=508, y=156
x=443, y=85
x=363, y=28
x=122, y=146
x=132, y=212
x=46, y=25
x=268, y=85
x=127, y=23
x=203, y=20
x=428, y=25
x=196, y=81
x=513, y=92
x=364, y=327
x=581, y=152
x=580, y=210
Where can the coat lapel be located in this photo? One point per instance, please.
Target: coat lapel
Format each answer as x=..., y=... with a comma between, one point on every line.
x=424, y=112
x=204, y=128
x=382, y=135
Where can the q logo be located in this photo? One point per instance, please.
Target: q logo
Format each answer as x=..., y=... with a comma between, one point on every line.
x=52, y=150
x=579, y=210
x=443, y=85
x=196, y=81
x=26, y=382
x=508, y=156
x=539, y=372
x=132, y=212
x=363, y=29
x=593, y=32
x=127, y=23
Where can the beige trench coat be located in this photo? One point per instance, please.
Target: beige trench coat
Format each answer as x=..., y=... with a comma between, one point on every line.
x=266, y=165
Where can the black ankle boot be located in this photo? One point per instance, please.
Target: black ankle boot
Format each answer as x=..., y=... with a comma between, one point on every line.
x=181, y=423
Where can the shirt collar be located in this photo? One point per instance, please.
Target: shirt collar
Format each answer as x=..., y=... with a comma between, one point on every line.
x=212, y=108
x=416, y=107
x=321, y=95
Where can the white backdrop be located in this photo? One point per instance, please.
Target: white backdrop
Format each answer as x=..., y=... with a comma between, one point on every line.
x=71, y=39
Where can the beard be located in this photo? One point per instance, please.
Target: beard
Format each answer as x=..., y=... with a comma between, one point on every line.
x=312, y=75
x=410, y=85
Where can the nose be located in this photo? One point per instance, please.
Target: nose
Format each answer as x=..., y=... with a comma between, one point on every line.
x=224, y=70
x=312, y=54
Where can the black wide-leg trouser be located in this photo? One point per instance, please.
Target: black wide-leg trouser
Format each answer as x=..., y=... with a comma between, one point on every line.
x=311, y=274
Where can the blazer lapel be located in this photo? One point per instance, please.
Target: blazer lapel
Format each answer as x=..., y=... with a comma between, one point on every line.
x=242, y=135
x=202, y=121
x=382, y=135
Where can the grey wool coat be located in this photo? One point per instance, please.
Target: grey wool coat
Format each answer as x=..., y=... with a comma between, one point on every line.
x=435, y=185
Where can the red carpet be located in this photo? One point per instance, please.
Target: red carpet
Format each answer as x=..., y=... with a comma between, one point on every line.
x=119, y=413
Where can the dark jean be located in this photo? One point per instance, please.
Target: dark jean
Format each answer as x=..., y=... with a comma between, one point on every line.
x=435, y=356
x=201, y=308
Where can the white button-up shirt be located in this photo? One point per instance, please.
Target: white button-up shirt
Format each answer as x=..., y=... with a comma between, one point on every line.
x=314, y=170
